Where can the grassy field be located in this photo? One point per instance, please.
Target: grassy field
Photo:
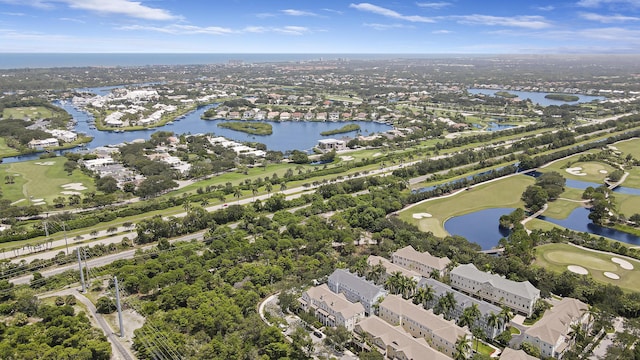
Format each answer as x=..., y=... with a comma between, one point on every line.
x=627, y=204
x=35, y=112
x=630, y=147
x=5, y=150
x=557, y=257
x=501, y=193
x=40, y=179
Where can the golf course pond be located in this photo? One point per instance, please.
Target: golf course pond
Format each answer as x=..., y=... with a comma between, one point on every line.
x=482, y=227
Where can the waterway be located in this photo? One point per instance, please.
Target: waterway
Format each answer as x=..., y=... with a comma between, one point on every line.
x=538, y=97
x=298, y=135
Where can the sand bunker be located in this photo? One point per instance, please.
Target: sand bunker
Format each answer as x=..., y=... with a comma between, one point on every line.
x=346, y=158
x=46, y=163
x=377, y=154
x=602, y=171
x=74, y=186
x=37, y=200
x=39, y=203
x=69, y=193
x=421, y=215
x=18, y=201
x=623, y=263
x=577, y=171
x=611, y=275
x=577, y=269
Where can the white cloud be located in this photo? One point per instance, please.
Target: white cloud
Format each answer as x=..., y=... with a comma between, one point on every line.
x=292, y=30
x=377, y=26
x=434, y=5
x=333, y=11
x=442, y=32
x=33, y=3
x=293, y=12
x=528, y=22
x=177, y=29
x=608, y=18
x=389, y=13
x=598, y=3
x=545, y=8
x=129, y=8
x=73, y=20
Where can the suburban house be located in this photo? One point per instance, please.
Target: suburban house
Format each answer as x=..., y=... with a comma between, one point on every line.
x=356, y=289
x=331, y=309
x=331, y=144
x=441, y=334
x=393, y=342
x=551, y=333
x=42, y=144
x=518, y=296
x=422, y=262
x=391, y=268
x=464, y=301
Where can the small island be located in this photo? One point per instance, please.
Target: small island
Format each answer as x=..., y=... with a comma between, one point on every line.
x=254, y=128
x=507, y=95
x=344, y=129
x=562, y=97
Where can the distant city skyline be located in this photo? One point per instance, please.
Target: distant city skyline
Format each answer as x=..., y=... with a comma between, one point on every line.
x=331, y=26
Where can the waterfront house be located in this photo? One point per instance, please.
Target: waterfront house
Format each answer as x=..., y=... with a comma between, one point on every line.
x=331, y=144
x=42, y=144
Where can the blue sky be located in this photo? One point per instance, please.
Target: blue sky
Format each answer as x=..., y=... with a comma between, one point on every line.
x=327, y=26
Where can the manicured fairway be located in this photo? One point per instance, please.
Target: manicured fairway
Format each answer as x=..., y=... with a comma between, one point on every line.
x=41, y=179
x=591, y=171
x=557, y=257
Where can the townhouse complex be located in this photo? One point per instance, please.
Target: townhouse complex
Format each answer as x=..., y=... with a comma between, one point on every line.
x=518, y=296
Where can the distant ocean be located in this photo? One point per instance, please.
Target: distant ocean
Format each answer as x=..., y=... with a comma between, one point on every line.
x=51, y=60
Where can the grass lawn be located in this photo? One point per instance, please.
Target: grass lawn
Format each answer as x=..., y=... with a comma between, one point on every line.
x=591, y=169
x=557, y=257
x=627, y=204
x=34, y=113
x=501, y=193
x=482, y=348
x=560, y=209
x=5, y=150
x=629, y=147
x=37, y=181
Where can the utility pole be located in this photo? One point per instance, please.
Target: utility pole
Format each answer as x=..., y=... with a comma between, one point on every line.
x=84, y=288
x=115, y=280
x=64, y=229
x=84, y=253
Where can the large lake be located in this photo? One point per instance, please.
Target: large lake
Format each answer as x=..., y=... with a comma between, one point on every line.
x=292, y=135
x=538, y=97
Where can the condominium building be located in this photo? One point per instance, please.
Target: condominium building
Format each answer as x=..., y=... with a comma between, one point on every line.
x=511, y=354
x=422, y=262
x=463, y=301
x=331, y=309
x=356, y=289
x=393, y=342
x=518, y=296
x=551, y=333
x=441, y=334
x=391, y=268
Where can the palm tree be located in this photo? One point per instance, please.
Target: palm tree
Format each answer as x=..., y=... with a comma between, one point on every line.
x=254, y=191
x=469, y=316
x=237, y=192
x=394, y=282
x=505, y=315
x=577, y=333
x=409, y=287
x=283, y=186
x=423, y=296
x=449, y=304
x=376, y=273
x=462, y=348
x=268, y=186
x=493, y=321
x=361, y=266
x=186, y=205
